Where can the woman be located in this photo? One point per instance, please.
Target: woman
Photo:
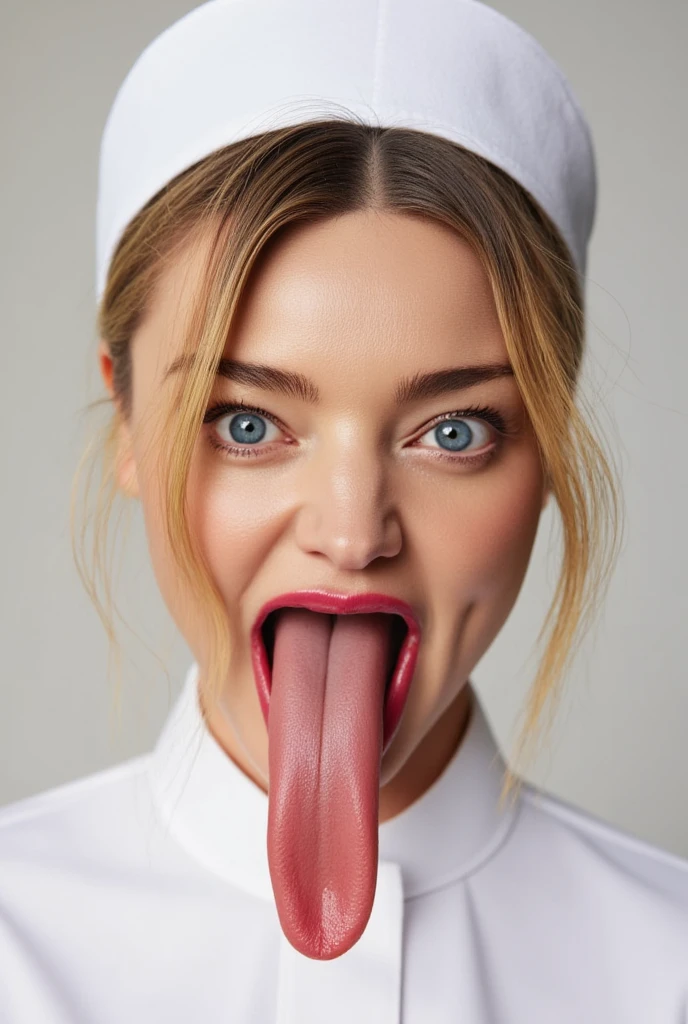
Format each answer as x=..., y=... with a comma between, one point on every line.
x=342, y=352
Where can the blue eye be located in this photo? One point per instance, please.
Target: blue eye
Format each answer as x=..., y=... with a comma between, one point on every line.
x=453, y=432
x=247, y=427
x=455, y=435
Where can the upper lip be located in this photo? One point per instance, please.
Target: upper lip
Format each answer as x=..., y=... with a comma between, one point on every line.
x=333, y=603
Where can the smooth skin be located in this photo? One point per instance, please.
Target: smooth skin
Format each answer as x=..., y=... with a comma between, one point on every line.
x=353, y=493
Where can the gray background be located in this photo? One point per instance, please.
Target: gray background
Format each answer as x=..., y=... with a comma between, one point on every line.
x=618, y=748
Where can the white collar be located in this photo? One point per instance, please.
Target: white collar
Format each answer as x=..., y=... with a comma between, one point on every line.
x=219, y=815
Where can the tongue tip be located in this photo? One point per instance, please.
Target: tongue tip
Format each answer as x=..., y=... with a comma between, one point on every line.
x=326, y=940
x=320, y=946
x=323, y=918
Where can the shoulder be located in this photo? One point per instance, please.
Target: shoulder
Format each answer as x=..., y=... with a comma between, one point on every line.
x=639, y=867
x=61, y=798
x=69, y=815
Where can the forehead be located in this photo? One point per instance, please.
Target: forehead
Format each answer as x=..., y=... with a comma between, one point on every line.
x=366, y=289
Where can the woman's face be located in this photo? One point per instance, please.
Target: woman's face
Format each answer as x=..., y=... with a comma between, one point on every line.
x=353, y=492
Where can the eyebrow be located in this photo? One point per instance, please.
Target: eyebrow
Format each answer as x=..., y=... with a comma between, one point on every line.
x=408, y=389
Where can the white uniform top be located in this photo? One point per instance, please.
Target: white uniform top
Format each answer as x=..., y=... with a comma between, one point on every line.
x=141, y=893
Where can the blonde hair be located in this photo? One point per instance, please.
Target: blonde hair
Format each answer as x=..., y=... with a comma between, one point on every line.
x=247, y=192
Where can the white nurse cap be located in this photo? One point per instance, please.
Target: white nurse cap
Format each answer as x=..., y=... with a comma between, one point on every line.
x=232, y=68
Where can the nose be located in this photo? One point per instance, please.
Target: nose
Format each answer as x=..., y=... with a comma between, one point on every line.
x=347, y=514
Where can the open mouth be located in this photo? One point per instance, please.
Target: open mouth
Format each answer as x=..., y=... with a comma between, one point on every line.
x=399, y=632
x=405, y=636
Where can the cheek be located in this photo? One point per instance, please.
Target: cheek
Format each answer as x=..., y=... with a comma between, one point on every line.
x=236, y=518
x=480, y=546
x=231, y=521
x=506, y=529
x=175, y=594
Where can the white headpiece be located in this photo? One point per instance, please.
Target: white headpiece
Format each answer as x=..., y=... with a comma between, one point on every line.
x=232, y=68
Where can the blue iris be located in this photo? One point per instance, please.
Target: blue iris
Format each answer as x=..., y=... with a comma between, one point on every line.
x=456, y=433
x=247, y=427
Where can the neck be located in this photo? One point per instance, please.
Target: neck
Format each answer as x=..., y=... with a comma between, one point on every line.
x=419, y=772
x=429, y=759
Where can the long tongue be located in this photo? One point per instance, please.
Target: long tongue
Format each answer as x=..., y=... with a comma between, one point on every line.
x=325, y=746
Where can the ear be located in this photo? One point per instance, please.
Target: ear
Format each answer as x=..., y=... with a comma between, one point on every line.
x=125, y=463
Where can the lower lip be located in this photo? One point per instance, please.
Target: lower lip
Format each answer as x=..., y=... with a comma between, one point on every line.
x=400, y=683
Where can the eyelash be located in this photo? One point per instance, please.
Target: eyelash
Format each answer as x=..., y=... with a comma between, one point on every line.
x=485, y=412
